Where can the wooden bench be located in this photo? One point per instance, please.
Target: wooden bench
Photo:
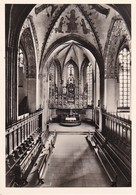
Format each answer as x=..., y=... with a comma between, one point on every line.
x=107, y=165
x=44, y=156
x=98, y=142
x=24, y=162
x=99, y=139
x=122, y=164
x=108, y=152
x=122, y=151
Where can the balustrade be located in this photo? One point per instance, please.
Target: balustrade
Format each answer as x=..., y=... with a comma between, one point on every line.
x=116, y=127
x=113, y=145
x=21, y=144
x=21, y=130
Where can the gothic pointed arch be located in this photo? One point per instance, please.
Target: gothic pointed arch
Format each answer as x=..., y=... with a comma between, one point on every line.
x=27, y=41
x=116, y=35
x=35, y=38
x=56, y=64
x=27, y=74
x=15, y=16
x=84, y=63
x=80, y=40
x=123, y=66
x=76, y=71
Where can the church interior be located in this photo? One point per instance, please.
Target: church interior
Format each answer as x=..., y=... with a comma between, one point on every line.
x=68, y=95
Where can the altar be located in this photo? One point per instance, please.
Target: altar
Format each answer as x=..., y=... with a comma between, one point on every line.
x=70, y=119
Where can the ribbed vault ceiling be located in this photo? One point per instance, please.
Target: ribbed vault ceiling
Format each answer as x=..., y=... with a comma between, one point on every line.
x=54, y=21
x=71, y=50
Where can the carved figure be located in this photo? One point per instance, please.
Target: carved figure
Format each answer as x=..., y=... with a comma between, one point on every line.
x=72, y=25
x=85, y=29
x=59, y=29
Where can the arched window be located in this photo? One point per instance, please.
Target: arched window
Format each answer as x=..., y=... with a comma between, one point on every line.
x=70, y=73
x=70, y=70
x=53, y=85
x=124, y=78
x=89, y=83
x=21, y=67
x=51, y=81
x=53, y=75
x=21, y=59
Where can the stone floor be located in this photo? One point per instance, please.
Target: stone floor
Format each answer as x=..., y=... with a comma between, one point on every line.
x=73, y=164
x=83, y=128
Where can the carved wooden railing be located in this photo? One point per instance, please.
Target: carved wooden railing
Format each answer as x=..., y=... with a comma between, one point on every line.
x=18, y=132
x=116, y=127
x=112, y=144
x=22, y=145
x=117, y=132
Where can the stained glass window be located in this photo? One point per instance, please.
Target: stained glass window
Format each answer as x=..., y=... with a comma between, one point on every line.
x=21, y=67
x=53, y=85
x=51, y=81
x=21, y=59
x=71, y=73
x=89, y=83
x=124, y=78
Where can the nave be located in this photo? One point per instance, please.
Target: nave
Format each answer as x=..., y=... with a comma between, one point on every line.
x=72, y=164
x=72, y=161
x=68, y=69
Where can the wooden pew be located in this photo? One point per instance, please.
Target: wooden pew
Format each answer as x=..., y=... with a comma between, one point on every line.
x=107, y=165
x=109, y=155
x=42, y=160
x=98, y=142
x=24, y=161
x=121, y=162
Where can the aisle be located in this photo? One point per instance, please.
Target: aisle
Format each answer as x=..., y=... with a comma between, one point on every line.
x=83, y=128
x=74, y=164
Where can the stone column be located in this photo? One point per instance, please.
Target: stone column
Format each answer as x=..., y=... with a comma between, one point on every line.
x=19, y=136
x=44, y=100
x=80, y=94
x=11, y=85
x=111, y=95
x=40, y=81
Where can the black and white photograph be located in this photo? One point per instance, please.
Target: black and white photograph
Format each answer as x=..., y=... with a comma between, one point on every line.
x=68, y=96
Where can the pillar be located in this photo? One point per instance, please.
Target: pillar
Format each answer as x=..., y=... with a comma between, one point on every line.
x=44, y=99
x=80, y=94
x=111, y=94
x=11, y=85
